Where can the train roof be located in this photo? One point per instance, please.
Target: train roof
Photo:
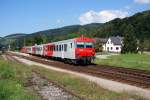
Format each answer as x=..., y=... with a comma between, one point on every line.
x=78, y=39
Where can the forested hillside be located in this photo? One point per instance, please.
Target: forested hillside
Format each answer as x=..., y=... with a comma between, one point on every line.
x=140, y=23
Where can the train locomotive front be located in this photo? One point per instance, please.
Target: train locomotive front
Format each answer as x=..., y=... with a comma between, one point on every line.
x=84, y=51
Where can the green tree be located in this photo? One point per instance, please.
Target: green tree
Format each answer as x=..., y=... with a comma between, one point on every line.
x=147, y=44
x=40, y=39
x=129, y=41
x=82, y=31
x=29, y=41
x=44, y=38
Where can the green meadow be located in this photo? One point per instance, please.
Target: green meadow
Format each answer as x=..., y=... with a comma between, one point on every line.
x=136, y=61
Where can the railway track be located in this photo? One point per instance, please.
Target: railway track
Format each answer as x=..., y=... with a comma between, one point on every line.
x=140, y=78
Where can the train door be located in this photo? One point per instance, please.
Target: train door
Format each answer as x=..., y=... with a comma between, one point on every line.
x=70, y=51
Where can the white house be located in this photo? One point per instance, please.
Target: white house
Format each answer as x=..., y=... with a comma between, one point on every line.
x=113, y=44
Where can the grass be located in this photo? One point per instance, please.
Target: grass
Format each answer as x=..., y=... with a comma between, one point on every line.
x=13, y=76
x=12, y=79
x=137, y=61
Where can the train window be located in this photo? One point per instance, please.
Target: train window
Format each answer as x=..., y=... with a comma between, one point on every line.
x=54, y=48
x=71, y=45
x=59, y=47
x=80, y=44
x=65, y=47
x=62, y=47
x=49, y=48
x=88, y=45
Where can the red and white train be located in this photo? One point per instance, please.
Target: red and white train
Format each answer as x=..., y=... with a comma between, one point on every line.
x=76, y=50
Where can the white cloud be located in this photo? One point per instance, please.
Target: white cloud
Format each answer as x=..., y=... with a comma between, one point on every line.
x=127, y=7
x=142, y=1
x=102, y=16
x=59, y=21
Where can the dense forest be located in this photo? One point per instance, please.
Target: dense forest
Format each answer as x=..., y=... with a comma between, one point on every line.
x=139, y=22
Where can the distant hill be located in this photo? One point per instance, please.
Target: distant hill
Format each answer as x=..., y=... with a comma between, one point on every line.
x=58, y=31
x=15, y=36
x=11, y=38
x=139, y=21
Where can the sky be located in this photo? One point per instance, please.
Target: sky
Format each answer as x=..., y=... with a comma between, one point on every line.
x=28, y=16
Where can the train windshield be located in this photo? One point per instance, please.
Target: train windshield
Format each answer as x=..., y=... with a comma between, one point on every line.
x=84, y=45
x=88, y=45
x=80, y=44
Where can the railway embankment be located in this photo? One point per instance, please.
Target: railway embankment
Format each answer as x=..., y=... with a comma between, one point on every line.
x=107, y=84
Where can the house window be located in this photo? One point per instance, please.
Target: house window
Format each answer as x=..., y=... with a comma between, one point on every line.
x=111, y=48
x=117, y=48
x=107, y=48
